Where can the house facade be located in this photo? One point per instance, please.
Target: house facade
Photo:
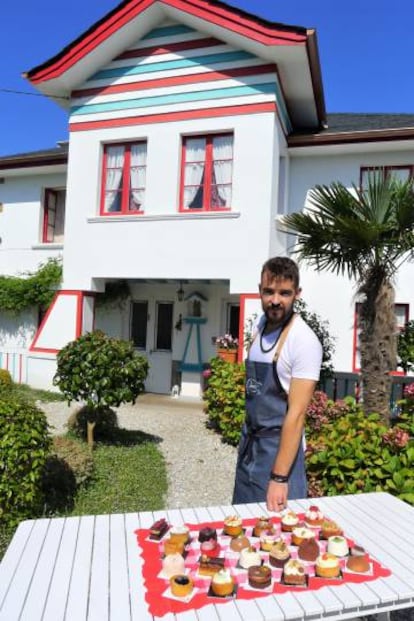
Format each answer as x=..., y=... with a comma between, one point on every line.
x=193, y=127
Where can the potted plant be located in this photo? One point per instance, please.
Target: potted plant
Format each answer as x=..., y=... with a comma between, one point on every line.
x=227, y=347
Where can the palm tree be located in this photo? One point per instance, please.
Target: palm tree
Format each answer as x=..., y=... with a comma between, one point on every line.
x=366, y=233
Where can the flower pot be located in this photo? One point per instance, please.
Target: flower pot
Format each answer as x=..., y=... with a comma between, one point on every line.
x=229, y=355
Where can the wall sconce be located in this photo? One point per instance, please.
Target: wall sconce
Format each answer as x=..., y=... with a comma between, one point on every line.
x=180, y=293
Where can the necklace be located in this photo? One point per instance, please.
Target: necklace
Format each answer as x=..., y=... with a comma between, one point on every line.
x=262, y=348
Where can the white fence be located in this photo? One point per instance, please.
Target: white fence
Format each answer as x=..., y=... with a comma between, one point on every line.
x=15, y=361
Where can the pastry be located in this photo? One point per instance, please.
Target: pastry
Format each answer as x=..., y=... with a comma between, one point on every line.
x=327, y=566
x=259, y=576
x=172, y=565
x=266, y=541
x=357, y=551
x=180, y=534
x=294, y=573
x=263, y=524
x=330, y=529
x=289, y=521
x=208, y=565
x=337, y=545
x=360, y=564
x=248, y=557
x=238, y=543
x=222, y=583
x=207, y=538
x=158, y=529
x=173, y=547
x=233, y=526
x=308, y=550
x=300, y=533
x=181, y=585
x=279, y=554
x=313, y=516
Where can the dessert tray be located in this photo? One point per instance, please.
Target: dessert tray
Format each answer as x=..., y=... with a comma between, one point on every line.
x=157, y=585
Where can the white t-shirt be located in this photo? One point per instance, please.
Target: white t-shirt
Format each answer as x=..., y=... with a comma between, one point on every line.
x=301, y=355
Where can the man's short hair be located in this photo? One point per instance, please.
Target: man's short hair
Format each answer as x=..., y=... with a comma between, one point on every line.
x=282, y=267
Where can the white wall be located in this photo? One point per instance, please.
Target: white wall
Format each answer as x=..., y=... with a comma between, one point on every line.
x=163, y=243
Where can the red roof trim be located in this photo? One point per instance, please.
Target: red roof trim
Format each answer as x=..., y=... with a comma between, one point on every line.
x=155, y=50
x=215, y=12
x=174, y=116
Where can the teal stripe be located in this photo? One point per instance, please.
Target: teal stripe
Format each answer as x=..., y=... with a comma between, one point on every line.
x=142, y=102
x=168, y=31
x=119, y=72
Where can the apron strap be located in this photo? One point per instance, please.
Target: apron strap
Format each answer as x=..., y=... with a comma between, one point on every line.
x=282, y=338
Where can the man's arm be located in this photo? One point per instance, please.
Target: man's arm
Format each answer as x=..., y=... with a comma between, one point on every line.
x=300, y=394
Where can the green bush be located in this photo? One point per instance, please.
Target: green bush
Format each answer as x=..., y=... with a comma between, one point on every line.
x=224, y=398
x=24, y=448
x=358, y=453
x=101, y=371
x=106, y=422
x=6, y=381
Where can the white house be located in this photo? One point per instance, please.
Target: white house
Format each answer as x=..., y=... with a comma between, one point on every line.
x=192, y=126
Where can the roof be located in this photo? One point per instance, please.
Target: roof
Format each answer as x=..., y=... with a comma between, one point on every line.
x=293, y=49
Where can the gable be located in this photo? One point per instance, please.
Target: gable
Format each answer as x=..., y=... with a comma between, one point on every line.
x=176, y=68
x=292, y=49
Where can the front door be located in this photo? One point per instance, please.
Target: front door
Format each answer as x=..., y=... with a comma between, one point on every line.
x=151, y=331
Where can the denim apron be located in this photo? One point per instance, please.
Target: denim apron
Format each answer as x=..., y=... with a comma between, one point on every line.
x=266, y=406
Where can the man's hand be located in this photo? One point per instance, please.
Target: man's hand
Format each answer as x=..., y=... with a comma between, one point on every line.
x=277, y=493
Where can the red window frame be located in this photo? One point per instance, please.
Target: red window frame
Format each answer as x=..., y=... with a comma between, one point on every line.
x=207, y=177
x=355, y=367
x=387, y=170
x=126, y=178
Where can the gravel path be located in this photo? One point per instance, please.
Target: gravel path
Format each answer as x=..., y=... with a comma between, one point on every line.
x=200, y=467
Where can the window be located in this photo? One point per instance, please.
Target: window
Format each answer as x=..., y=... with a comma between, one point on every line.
x=124, y=175
x=139, y=321
x=207, y=170
x=403, y=173
x=163, y=331
x=233, y=318
x=53, y=216
x=402, y=313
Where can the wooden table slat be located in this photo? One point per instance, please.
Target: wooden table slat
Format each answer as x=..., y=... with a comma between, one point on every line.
x=77, y=604
x=98, y=601
x=12, y=557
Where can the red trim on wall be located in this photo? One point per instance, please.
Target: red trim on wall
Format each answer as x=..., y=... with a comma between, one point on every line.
x=180, y=46
x=184, y=115
x=192, y=78
x=243, y=298
x=33, y=346
x=221, y=15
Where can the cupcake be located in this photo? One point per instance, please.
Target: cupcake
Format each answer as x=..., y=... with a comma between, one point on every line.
x=237, y=544
x=279, y=554
x=308, y=550
x=357, y=551
x=233, y=526
x=300, y=533
x=222, y=583
x=294, y=573
x=259, y=576
x=181, y=585
x=359, y=564
x=173, y=547
x=248, y=557
x=289, y=521
x=337, y=546
x=263, y=524
x=172, y=565
x=314, y=517
x=327, y=566
x=180, y=534
x=207, y=538
x=330, y=529
x=267, y=541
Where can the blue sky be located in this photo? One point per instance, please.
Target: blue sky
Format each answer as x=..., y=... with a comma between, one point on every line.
x=366, y=49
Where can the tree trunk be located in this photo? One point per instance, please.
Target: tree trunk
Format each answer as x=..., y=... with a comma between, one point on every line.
x=89, y=431
x=378, y=343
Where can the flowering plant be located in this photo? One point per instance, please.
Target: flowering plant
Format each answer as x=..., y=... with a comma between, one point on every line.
x=226, y=342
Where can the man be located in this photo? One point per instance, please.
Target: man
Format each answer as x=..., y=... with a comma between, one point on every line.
x=282, y=369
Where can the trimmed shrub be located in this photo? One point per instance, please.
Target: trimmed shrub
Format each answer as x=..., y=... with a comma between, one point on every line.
x=225, y=400
x=6, y=381
x=24, y=448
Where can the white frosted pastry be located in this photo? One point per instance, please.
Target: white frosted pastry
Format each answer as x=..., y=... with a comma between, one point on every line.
x=338, y=546
x=172, y=564
x=249, y=557
x=289, y=521
x=180, y=534
x=313, y=516
x=300, y=533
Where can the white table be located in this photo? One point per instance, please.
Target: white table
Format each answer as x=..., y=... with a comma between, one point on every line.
x=89, y=568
